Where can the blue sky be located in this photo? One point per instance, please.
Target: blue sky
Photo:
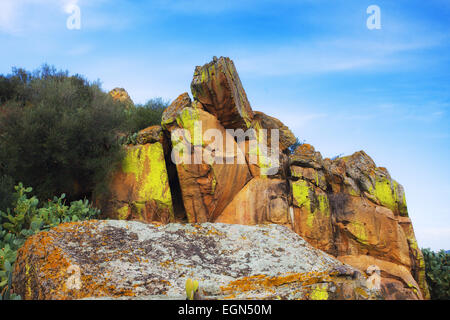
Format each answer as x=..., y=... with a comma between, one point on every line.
x=311, y=63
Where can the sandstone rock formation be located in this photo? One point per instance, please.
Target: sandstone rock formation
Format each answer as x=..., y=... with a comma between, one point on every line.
x=347, y=207
x=355, y=211
x=218, y=88
x=261, y=201
x=287, y=138
x=118, y=259
x=140, y=188
x=120, y=94
x=207, y=187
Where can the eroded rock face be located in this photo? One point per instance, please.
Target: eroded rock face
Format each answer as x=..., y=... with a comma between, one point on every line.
x=347, y=207
x=207, y=186
x=117, y=259
x=150, y=135
x=217, y=86
x=286, y=137
x=140, y=188
x=355, y=211
x=121, y=95
x=261, y=201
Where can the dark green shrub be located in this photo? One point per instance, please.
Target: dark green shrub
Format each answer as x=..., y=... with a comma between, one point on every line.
x=144, y=116
x=6, y=187
x=27, y=218
x=437, y=270
x=58, y=133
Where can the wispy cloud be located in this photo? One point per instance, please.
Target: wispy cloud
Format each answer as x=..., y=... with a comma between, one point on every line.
x=333, y=55
x=81, y=49
x=19, y=17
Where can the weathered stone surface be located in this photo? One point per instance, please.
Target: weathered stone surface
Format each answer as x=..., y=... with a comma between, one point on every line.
x=140, y=188
x=312, y=215
x=207, y=185
x=351, y=208
x=217, y=86
x=170, y=113
x=393, y=280
x=121, y=95
x=360, y=176
x=286, y=137
x=117, y=259
x=261, y=201
x=348, y=206
x=149, y=135
x=364, y=228
x=262, y=159
x=306, y=156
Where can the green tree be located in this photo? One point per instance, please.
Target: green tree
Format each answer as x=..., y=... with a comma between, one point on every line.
x=437, y=270
x=58, y=133
x=144, y=116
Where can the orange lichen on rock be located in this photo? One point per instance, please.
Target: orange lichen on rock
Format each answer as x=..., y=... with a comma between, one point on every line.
x=41, y=257
x=258, y=282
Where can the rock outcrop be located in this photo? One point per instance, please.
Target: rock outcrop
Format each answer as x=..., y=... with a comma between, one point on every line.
x=261, y=201
x=140, y=188
x=218, y=88
x=287, y=138
x=119, y=259
x=207, y=187
x=347, y=207
x=355, y=211
x=120, y=94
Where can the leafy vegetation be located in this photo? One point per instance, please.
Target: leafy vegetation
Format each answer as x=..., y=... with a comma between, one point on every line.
x=60, y=133
x=27, y=218
x=144, y=116
x=437, y=270
x=6, y=186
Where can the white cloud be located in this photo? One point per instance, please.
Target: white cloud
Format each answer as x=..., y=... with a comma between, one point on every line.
x=8, y=12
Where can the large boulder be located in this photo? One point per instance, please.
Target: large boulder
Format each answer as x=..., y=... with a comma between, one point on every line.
x=347, y=207
x=140, y=189
x=359, y=176
x=312, y=217
x=207, y=187
x=151, y=134
x=120, y=94
x=354, y=210
x=121, y=259
x=286, y=137
x=217, y=86
x=306, y=156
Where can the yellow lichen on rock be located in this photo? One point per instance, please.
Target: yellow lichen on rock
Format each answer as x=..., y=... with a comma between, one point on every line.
x=148, y=165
